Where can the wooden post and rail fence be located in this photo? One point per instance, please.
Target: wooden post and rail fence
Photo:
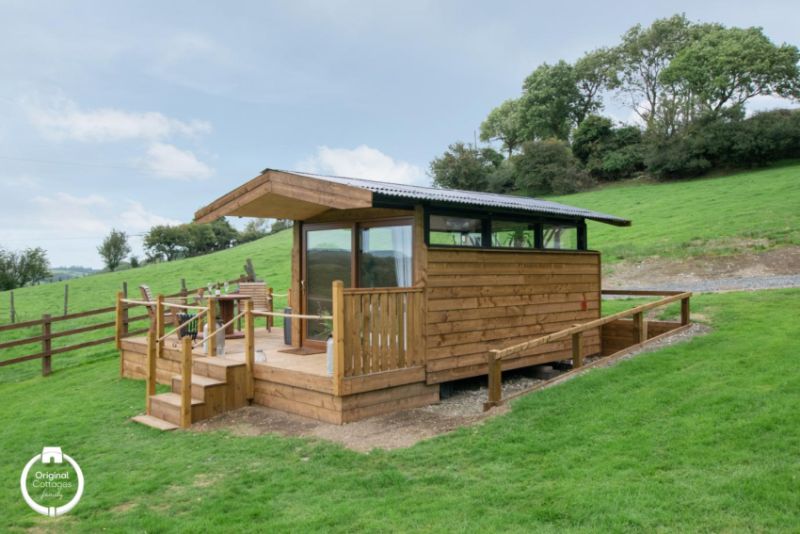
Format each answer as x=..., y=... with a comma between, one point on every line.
x=46, y=335
x=496, y=357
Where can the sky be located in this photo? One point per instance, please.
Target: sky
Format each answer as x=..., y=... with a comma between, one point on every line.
x=129, y=114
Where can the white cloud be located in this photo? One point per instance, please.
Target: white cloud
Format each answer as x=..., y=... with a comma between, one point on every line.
x=71, y=227
x=62, y=119
x=169, y=161
x=363, y=162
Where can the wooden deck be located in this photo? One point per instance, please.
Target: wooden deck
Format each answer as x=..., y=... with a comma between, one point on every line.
x=269, y=343
x=294, y=383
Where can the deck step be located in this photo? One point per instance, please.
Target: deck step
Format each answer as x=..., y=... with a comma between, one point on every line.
x=173, y=399
x=218, y=367
x=154, y=422
x=201, y=380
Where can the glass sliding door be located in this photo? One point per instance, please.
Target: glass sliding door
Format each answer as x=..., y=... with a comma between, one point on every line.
x=327, y=256
x=384, y=258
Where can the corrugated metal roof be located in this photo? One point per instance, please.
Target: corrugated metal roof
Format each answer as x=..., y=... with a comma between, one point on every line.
x=470, y=198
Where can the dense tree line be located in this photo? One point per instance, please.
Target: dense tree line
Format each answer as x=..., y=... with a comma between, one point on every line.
x=687, y=83
x=167, y=243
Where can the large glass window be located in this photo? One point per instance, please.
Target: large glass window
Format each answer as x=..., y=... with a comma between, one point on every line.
x=512, y=234
x=445, y=230
x=560, y=236
x=328, y=257
x=385, y=256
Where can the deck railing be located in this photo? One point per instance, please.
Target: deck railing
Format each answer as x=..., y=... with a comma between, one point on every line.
x=382, y=329
x=496, y=357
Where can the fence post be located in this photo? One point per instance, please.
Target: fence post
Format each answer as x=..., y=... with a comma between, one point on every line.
x=270, y=307
x=577, y=350
x=11, y=309
x=212, y=325
x=159, y=326
x=186, y=382
x=338, y=337
x=151, y=368
x=685, y=311
x=639, y=328
x=249, y=347
x=495, y=379
x=184, y=292
x=118, y=319
x=46, y=345
x=66, y=298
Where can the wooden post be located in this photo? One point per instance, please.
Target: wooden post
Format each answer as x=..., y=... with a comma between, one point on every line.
x=159, y=326
x=249, y=347
x=118, y=325
x=184, y=292
x=46, y=345
x=495, y=379
x=577, y=350
x=251, y=272
x=685, y=311
x=186, y=382
x=212, y=325
x=11, y=309
x=270, y=307
x=151, y=368
x=338, y=337
x=639, y=328
x=66, y=298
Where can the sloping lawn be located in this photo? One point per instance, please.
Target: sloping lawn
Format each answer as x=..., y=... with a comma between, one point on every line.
x=746, y=211
x=700, y=436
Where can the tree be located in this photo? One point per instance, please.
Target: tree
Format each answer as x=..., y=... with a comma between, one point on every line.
x=642, y=57
x=504, y=124
x=594, y=72
x=18, y=269
x=254, y=229
x=280, y=224
x=551, y=102
x=114, y=248
x=465, y=167
x=164, y=242
x=729, y=66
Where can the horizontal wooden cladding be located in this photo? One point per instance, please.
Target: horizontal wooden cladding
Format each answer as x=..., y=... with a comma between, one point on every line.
x=479, y=300
x=387, y=379
x=450, y=268
x=505, y=256
x=533, y=303
x=439, y=334
x=322, y=384
x=473, y=353
x=488, y=279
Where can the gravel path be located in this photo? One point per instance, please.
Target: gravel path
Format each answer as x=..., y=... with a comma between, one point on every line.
x=747, y=283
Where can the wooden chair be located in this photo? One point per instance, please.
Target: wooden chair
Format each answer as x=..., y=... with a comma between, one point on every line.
x=259, y=295
x=170, y=316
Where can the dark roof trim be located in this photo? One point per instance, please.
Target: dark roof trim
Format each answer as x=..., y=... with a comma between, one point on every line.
x=468, y=198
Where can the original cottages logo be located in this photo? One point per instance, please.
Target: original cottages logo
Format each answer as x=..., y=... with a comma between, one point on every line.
x=52, y=482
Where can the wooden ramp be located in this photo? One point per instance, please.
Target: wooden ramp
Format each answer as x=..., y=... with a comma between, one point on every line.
x=218, y=385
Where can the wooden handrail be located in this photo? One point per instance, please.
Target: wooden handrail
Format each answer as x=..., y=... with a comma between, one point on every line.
x=562, y=334
x=495, y=357
x=379, y=290
x=293, y=315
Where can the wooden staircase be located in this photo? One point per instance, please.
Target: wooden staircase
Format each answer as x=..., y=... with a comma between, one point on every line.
x=218, y=385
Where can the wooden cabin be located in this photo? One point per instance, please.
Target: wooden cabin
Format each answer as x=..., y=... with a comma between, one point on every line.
x=431, y=280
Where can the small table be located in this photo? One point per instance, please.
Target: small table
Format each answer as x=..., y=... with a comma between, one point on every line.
x=225, y=304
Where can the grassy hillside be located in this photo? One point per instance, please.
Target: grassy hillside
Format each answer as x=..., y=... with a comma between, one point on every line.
x=746, y=211
x=701, y=436
x=715, y=216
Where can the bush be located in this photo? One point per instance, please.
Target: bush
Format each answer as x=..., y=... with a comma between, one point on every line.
x=608, y=153
x=546, y=167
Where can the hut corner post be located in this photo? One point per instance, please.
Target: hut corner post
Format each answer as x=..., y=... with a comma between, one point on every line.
x=250, y=347
x=338, y=337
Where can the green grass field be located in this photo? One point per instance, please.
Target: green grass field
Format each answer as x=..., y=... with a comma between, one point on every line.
x=716, y=216
x=702, y=436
